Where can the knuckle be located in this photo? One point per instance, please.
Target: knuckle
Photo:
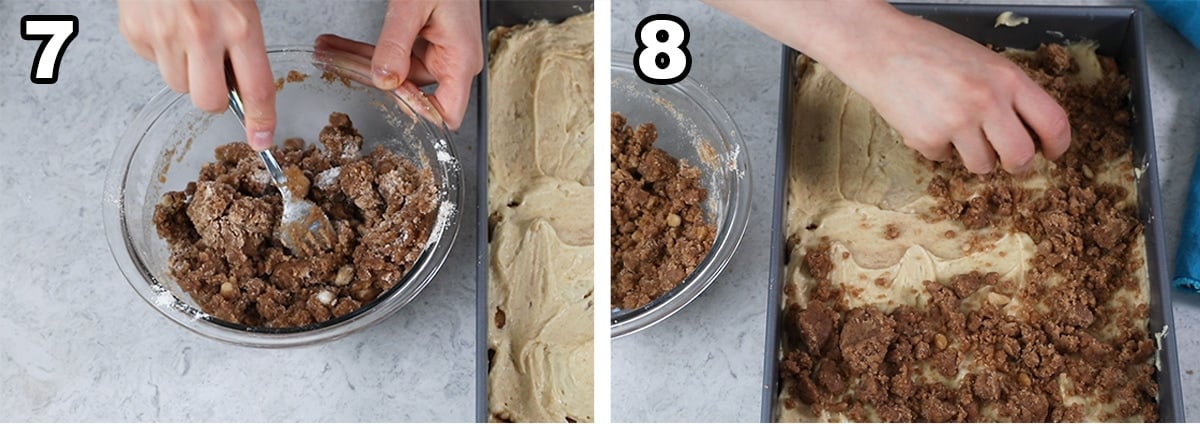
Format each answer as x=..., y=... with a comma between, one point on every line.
x=195, y=30
x=959, y=120
x=259, y=95
x=158, y=33
x=323, y=41
x=1009, y=75
x=133, y=29
x=979, y=97
x=201, y=33
x=256, y=124
x=238, y=26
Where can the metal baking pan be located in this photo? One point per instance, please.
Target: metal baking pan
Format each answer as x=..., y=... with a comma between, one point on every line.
x=498, y=13
x=1118, y=30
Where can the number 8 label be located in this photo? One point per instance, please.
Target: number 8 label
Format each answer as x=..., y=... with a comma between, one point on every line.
x=662, y=56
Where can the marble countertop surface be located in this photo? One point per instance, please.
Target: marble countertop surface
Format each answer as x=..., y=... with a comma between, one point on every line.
x=705, y=363
x=78, y=344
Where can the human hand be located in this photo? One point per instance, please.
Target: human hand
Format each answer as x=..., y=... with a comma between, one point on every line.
x=190, y=41
x=943, y=92
x=422, y=42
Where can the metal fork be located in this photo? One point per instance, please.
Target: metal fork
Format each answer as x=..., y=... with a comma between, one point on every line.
x=304, y=229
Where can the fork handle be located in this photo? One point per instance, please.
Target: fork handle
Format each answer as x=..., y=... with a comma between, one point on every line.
x=235, y=98
x=237, y=107
x=277, y=174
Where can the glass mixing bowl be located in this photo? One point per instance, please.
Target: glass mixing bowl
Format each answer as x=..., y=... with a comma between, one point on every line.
x=695, y=128
x=167, y=143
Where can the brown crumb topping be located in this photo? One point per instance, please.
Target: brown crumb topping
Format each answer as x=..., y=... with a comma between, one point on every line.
x=221, y=230
x=659, y=230
x=963, y=355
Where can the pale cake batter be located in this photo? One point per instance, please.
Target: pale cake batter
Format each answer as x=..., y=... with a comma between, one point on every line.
x=863, y=218
x=540, y=120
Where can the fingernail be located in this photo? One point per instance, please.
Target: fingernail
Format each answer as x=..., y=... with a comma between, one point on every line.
x=385, y=80
x=262, y=140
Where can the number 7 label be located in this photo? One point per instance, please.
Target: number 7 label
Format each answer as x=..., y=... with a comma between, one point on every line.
x=55, y=31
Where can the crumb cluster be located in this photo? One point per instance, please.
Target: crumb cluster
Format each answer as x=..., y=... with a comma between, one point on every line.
x=659, y=230
x=222, y=230
x=964, y=356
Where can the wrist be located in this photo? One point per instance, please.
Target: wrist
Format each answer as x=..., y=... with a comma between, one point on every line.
x=855, y=38
x=814, y=27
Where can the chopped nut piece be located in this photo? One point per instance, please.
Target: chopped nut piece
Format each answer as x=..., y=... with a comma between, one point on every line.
x=344, y=275
x=325, y=297
x=228, y=290
x=998, y=299
x=365, y=294
x=939, y=341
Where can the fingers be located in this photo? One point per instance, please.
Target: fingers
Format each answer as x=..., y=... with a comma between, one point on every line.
x=453, y=95
x=137, y=43
x=977, y=155
x=257, y=87
x=356, y=56
x=206, y=79
x=172, y=64
x=393, y=51
x=359, y=67
x=456, y=60
x=454, y=70
x=130, y=28
x=418, y=73
x=329, y=42
x=420, y=104
x=1045, y=117
x=1011, y=141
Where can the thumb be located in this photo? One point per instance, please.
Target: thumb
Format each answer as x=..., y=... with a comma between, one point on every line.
x=393, y=51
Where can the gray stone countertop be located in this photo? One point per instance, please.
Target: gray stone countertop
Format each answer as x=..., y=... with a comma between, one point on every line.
x=78, y=344
x=705, y=363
